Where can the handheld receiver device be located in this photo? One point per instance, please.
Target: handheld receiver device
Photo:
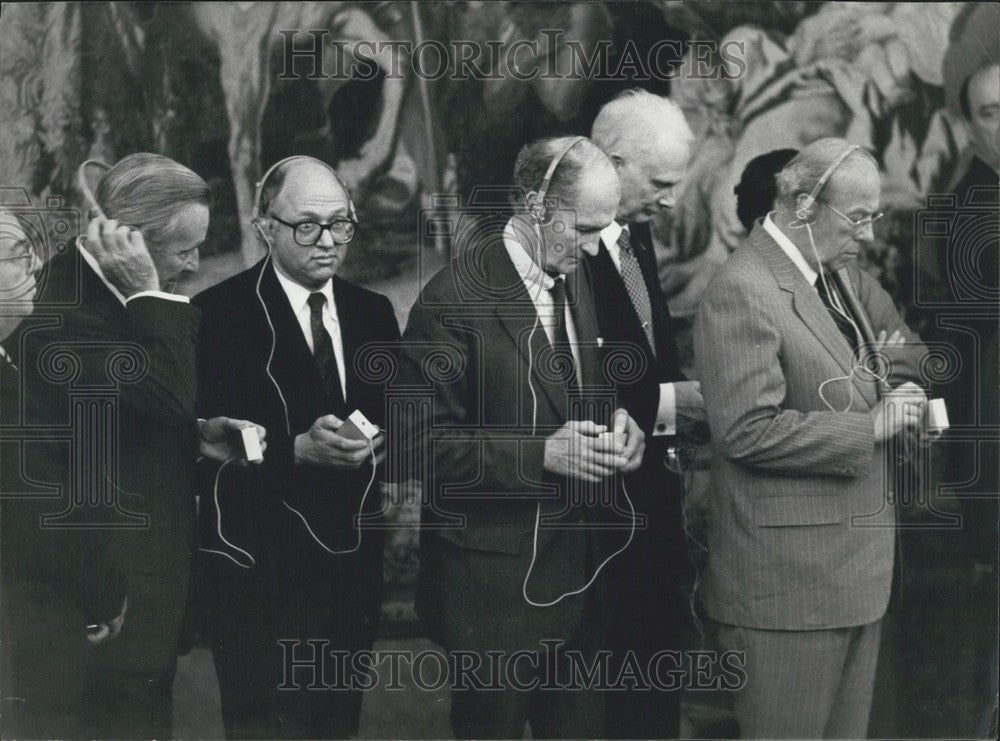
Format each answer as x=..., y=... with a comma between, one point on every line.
x=357, y=427
x=251, y=444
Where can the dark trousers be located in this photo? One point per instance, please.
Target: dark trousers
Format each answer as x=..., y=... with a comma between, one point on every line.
x=131, y=705
x=44, y=657
x=531, y=692
x=281, y=643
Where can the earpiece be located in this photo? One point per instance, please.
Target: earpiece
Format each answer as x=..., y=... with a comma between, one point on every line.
x=81, y=181
x=537, y=211
x=804, y=210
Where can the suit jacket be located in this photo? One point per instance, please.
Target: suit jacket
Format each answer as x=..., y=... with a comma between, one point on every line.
x=141, y=356
x=801, y=522
x=239, y=353
x=477, y=437
x=659, y=548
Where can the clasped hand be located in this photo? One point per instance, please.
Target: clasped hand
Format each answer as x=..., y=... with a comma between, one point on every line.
x=581, y=450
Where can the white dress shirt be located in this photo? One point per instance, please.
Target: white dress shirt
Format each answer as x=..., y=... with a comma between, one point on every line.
x=788, y=247
x=538, y=283
x=666, y=408
x=298, y=297
x=92, y=262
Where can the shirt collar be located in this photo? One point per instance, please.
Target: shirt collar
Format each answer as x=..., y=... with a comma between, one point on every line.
x=298, y=296
x=531, y=274
x=611, y=233
x=92, y=262
x=788, y=247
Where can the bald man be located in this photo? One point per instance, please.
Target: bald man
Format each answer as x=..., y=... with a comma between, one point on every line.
x=284, y=558
x=802, y=516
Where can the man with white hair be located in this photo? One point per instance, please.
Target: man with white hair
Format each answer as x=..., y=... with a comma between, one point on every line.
x=648, y=141
x=801, y=530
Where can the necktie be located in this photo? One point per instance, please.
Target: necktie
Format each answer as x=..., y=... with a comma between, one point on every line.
x=560, y=334
x=838, y=313
x=636, y=287
x=326, y=361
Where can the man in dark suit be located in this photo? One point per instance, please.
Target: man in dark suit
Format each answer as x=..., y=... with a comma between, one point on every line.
x=509, y=400
x=802, y=513
x=648, y=140
x=286, y=558
x=113, y=363
x=55, y=583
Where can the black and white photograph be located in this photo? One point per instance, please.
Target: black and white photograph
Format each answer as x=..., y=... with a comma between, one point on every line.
x=470, y=369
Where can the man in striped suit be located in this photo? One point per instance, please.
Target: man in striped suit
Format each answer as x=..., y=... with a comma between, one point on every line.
x=802, y=519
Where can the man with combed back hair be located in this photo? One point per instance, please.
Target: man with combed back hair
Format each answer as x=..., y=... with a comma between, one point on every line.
x=115, y=363
x=802, y=517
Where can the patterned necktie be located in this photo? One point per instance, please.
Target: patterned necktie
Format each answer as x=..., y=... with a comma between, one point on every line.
x=838, y=314
x=636, y=287
x=561, y=335
x=326, y=360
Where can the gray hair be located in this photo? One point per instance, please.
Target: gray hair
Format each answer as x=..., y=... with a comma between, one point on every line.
x=805, y=169
x=147, y=191
x=641, y=111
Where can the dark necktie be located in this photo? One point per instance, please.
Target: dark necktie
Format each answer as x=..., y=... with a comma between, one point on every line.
x=844, y=324
x=560, y=333
x=326, y=360
x=636, y=286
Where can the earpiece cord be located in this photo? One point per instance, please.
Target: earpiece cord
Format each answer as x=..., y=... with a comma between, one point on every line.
x=357, y=518
x=218, y=525
x=538, y=506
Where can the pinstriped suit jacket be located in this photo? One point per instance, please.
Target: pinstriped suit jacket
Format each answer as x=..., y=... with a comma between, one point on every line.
x=801, y=523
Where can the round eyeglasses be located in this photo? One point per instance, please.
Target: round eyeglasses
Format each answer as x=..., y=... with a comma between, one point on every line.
x=24, y=251
x=308, y=233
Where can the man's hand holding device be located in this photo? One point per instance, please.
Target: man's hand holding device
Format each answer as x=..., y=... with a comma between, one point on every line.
x=335, y=443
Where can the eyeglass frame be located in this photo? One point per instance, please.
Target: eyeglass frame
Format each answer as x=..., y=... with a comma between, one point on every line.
x=322, y=228
x=28, y=253
x=870, y=219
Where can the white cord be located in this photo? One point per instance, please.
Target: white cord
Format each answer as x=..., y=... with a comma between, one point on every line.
x=274, y=333
x=218, y=525
x=357, y=518
x=585, y=587
x=288, y=424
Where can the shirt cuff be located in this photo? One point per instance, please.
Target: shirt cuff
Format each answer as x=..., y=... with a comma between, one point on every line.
x=666, y=413
x=160, y=294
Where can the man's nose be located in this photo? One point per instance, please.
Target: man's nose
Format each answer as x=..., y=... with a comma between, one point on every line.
x=865, y=234
x=193, y=262
x=667, y=198
x=326, y=239
x=590, y=245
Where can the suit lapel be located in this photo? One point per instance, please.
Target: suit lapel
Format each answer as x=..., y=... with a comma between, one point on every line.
x=810, y=309
x=517, y=315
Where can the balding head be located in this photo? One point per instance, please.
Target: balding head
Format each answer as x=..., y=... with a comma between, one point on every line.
x=803, y=172
x=831, y=231
x=649, y=142
x=299, y=192
x=581, y=199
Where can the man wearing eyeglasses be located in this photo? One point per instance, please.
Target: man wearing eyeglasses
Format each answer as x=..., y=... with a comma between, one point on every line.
x=802, y=514
x=286, y=560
